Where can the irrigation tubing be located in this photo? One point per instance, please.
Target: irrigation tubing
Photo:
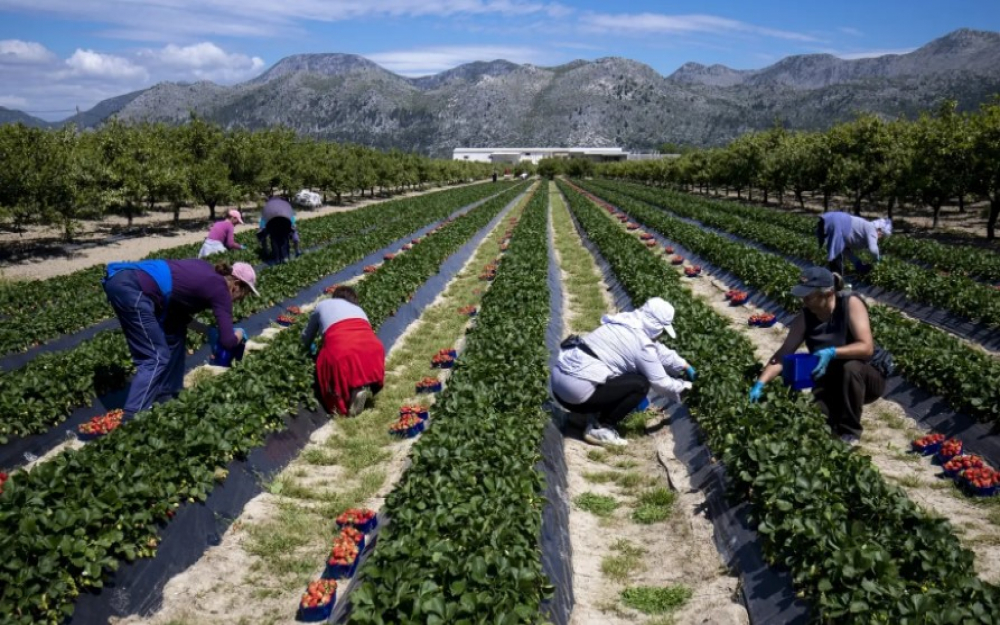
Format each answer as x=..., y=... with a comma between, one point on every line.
x=137, y=587
x=22, y=450
x=768, y=593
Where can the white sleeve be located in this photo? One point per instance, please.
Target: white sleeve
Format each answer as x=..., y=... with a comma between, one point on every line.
x=671, y=360
x=873, y=242
x=648, y=364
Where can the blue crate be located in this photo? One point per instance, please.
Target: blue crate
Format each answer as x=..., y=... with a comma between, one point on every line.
x=367, y=528
x=642, y=405
x=319, y=614
x=338, y=571
x=797, y=370
x=223, y=357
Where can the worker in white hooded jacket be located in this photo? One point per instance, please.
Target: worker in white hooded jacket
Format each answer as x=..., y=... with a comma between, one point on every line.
x=610, y=370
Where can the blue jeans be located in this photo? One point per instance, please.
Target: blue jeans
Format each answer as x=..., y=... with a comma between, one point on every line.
x=158, y=356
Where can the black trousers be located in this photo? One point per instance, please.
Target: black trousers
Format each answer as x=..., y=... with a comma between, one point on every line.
x=614, y=399
x=279, y=231
x=843, y=392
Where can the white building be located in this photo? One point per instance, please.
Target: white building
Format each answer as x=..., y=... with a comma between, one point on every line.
x=521, y=155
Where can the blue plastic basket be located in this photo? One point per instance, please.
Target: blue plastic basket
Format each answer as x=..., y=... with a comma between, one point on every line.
x=367, y=528
x=223, y=357
x=797, y=370
x=319, y=614
x=767, y=324
x=338, y=571
x=431, y=389
x=642, y=405
x=929, y=449
x=88, y=437
x=423, y=415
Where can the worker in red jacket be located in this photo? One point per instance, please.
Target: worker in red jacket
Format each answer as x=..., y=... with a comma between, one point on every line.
x=350, y=365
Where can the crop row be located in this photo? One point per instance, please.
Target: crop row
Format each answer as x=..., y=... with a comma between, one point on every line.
x=45, y=391
x=954, y=259
x=857, y=548
x=69, y=521
x=462, y=545
x=957, y=294
x=38, y=311
x=930, y=358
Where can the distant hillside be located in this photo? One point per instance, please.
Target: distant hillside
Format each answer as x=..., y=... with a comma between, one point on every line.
x=607, y=102
x=11, y=116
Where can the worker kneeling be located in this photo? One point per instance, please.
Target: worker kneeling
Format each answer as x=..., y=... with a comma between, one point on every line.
x=610, y=370
x=350, y=365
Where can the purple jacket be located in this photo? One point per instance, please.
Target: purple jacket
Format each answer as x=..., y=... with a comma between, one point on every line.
x=196, y=287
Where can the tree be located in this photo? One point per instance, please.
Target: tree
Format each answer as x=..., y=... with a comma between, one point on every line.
x=986, y=165
x=940, y=143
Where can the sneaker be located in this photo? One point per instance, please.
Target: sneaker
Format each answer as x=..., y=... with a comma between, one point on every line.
x=850, y=439
x=605, y=437
x=359, y=397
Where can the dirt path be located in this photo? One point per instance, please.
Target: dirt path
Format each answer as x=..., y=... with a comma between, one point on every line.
x=97, y=248
x=281, y=540
x=888, y=432
x=635, y=520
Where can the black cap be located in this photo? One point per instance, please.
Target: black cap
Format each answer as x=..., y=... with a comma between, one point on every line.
x=812, y=279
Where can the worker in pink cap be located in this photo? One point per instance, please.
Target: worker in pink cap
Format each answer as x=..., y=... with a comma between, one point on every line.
x=221, y=236
x=155, y=301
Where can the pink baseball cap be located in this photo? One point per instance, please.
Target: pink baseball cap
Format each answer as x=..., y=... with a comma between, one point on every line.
x=245, y=274
x=235, y=213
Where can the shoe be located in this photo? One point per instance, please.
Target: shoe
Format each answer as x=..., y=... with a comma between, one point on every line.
x=603, y=436
x=850, y=439
x=359, y=397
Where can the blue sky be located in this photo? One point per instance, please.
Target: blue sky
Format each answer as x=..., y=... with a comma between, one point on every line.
x=56, y=55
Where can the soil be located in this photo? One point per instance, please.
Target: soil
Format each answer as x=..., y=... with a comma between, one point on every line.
x=678, y=551
x=39, y=253
x=888, y=432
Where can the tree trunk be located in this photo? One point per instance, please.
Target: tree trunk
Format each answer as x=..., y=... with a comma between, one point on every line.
x=857, y=204
x=991, y=224
x=781, y=198
x=800, y=199
x=892, y=204
x=739, y=193
x=961, y=202
x=211, y=209
x=177, y=214
x=750, y=194
x=937, y=212
x=826, y=201
x=765, y=195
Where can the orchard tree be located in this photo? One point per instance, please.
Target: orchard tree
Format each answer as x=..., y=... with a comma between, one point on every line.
x=986, y=165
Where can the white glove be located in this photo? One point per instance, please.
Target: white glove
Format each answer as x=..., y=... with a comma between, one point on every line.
x=674, y=395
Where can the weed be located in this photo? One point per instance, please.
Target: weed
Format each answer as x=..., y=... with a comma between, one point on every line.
x=627, y=561
x=654, y=506
x=598, y=505
x=653, y=600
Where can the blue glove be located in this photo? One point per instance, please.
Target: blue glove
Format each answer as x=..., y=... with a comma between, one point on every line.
x=755, y=391
x=825, y=355
x=314, y=348
x=692, y=374
x=243, y=332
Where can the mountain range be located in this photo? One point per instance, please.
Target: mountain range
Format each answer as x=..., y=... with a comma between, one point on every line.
x=607, y=102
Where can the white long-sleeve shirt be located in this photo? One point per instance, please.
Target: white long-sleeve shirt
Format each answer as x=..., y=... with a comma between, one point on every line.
x=619, y=350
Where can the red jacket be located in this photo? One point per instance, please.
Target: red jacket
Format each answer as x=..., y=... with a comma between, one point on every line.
x=351, y=356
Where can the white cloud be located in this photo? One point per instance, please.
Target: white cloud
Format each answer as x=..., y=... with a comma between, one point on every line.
x=871, y=54
x=847, y=30
x=424, y=61
x=658, y=23
x=27, y=52
x=204, y=61
x=13, y=102
x=173, y=20
x=87, y=63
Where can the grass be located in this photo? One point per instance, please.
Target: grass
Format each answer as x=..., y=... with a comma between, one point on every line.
x=597, y=455
x=654, y=506
x=600, y=477
x=910, y=481
x=582, y=279
x=653, y=600
x=634, y=425
x=598, y=505
x=626, y=464
x=626, y=562
x=894, y=421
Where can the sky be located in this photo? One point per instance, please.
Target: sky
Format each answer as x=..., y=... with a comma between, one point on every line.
x=57, y=55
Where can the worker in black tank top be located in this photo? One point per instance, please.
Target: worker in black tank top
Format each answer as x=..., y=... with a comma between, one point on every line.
x=835, y=327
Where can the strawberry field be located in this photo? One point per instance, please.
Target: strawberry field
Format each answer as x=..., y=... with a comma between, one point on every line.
x=458, y=536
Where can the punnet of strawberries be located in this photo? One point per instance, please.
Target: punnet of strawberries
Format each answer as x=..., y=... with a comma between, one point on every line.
x=761, y=318
x=355, y=516
x=352, y=533
x=330, y=289
x=428, y=382
x=961, y=463
x=102, y=424
x=982, y=477
x=319, y=593
x=411, y=409
x=951, y=447
x=405, y=422
x=927, y=441
x=631, y=226
x=692, y=270
x=677, y=260
x=295, y=310
x=389, y=256
x=442, y=359
x=371, y=268
x=668, y=249
x=3, y=478
x=286, y=319
x=645, y=236
x=344, y=552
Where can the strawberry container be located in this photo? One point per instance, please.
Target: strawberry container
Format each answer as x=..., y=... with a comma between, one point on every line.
x=223, y=357
x=284, y=321
x=949, y=449
x=929, y=444
x=317, y=603
x=338, y=571
x=797, y=370
x=766, y=323
x=361, y=519
x=420, y=412
x=318, y=614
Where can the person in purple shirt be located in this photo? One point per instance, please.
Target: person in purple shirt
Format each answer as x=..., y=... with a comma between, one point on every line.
x=155, y=301
x=222, y=235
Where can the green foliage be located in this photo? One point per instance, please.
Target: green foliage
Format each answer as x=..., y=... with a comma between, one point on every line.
x=654, y=506
x=653, y=600
x=598, y=505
